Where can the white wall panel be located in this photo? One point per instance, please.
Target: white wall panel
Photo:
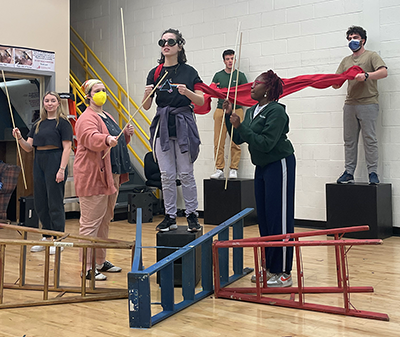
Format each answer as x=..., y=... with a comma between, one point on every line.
x=293, y=37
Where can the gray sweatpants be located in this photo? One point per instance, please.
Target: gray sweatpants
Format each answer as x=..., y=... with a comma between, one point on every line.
x=356, y=118
x=176, y=165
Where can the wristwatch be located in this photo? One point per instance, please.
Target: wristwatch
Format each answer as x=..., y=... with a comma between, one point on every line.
x=366, y=76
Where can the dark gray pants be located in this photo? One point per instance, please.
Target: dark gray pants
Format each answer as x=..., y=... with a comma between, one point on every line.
x=48, y=194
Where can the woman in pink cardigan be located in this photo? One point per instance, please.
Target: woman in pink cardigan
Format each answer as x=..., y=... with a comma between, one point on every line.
x=97, y=180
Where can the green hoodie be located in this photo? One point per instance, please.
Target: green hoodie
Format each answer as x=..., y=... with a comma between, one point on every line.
x=265, y=134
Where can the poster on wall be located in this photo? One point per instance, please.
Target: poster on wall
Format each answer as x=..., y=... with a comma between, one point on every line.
x=18, y=57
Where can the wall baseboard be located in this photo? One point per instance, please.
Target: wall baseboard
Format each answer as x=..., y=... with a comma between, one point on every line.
x=316, y=224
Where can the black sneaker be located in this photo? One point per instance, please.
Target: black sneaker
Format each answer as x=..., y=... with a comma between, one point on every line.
x=193, y=223
x=167, y=224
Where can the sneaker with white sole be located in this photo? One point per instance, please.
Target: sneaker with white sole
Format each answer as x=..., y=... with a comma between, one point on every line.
x=108, y=267
x=53, y=250
x=280, y=281
x=219, y=174
x=167, y=224
x=35, y=249
x=373, y=179
x=345, y=178
x=233, y=174
x=193, y=223
x=254, y=277
x=97, y=275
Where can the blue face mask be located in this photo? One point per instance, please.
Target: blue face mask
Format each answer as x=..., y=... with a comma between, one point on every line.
x=355, y=45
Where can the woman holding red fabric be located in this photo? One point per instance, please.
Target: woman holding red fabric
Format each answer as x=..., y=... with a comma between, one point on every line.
x=265, y=129
x=174, y=135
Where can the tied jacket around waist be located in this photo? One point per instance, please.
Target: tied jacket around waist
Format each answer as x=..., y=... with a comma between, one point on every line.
x=187, y=133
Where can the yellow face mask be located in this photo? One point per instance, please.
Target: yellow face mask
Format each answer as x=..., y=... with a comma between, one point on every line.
x=99, y=98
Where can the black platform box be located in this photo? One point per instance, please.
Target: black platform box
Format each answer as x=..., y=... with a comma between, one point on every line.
x=360, y=204
x=220, y=204
x=178, y=238
x=140, y=200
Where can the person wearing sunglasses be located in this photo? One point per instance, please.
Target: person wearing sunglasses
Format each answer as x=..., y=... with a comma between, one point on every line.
x=264, y=129
x=174, y=136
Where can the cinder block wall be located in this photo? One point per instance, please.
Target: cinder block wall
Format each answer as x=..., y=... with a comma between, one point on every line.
x=292, y=37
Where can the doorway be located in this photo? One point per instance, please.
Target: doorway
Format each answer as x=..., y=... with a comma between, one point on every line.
x=25, y=89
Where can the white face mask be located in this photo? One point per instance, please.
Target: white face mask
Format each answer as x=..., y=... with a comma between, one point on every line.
x=100, y=98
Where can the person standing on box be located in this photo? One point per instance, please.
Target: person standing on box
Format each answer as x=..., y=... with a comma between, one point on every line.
x=264, y=129
x=97, y=179
x=51, y=137
x=221, y=78
x=361, y=108
x=174, y=136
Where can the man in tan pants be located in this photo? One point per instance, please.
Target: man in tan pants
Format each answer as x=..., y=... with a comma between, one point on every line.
x=222, y=78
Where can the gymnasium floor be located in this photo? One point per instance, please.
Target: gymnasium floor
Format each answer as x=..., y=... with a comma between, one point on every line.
x=376, y=266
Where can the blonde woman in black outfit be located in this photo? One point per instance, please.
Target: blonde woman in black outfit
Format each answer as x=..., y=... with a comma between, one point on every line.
x=51, y=138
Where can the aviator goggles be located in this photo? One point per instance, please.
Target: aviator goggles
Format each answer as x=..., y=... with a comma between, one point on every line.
x=170, y=42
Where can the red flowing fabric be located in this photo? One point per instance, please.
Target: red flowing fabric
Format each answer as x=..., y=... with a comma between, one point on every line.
x=290, y=85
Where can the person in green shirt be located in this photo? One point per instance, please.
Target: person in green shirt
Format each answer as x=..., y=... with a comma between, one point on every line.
x=221, y=78
x=361, y=108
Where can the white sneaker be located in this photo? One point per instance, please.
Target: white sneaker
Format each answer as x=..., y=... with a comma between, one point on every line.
x=280, y=281
x=254, y=277
x=36, y=249
x=233, y=174
x=219, y=174
x=53, y=250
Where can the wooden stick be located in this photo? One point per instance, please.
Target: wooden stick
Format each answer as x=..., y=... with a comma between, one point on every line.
x=2, y=270
x=234, y=106
x=63, y=289
x=131, y=117
x=12, y=119
x=46, y=273
x=126, y=75
x=83, y=278
x=92, y=284
x=57, y=234
x=126, y=66
x=227, y=96
x=113, y=295
x=79, y=244
x=22, y=261
x=57, y=267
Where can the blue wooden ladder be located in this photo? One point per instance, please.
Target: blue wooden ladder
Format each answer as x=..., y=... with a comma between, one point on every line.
x=140, y=315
